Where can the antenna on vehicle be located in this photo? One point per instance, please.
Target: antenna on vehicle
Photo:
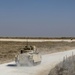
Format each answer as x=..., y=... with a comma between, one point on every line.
x=27, y=41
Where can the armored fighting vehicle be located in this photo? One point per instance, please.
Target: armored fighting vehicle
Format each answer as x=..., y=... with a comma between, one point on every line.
x=28, y=56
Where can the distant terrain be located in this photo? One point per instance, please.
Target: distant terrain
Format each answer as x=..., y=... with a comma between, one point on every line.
x=37, y=37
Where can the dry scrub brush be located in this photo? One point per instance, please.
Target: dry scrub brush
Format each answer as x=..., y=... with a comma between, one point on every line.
x=67, y=67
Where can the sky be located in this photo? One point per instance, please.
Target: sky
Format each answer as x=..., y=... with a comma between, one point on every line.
x=37, y=18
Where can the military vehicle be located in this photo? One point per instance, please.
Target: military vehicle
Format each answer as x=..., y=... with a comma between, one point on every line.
x=28, y=56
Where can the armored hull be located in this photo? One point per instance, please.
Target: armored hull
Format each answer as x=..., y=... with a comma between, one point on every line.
x=28, y=57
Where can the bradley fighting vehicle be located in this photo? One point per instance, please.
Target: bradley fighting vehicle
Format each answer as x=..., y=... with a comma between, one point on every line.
x=29, y=56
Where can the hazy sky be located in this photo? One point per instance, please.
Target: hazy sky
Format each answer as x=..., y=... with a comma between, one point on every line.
x=37, y=18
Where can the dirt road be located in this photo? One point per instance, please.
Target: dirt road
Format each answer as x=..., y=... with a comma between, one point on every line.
x=48, y=62
x=38, y=40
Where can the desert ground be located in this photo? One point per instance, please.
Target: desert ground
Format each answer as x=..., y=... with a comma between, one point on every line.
x=8, y=49
x=48, y=62
x=52, y=51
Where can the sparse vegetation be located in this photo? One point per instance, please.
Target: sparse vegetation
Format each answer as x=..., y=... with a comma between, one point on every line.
x=67, y=67
x=8, y=50
x=37, y=37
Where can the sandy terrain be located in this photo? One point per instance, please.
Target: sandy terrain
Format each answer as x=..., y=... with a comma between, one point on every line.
x=48, y=62
x=10, y=47
x=39, y=40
